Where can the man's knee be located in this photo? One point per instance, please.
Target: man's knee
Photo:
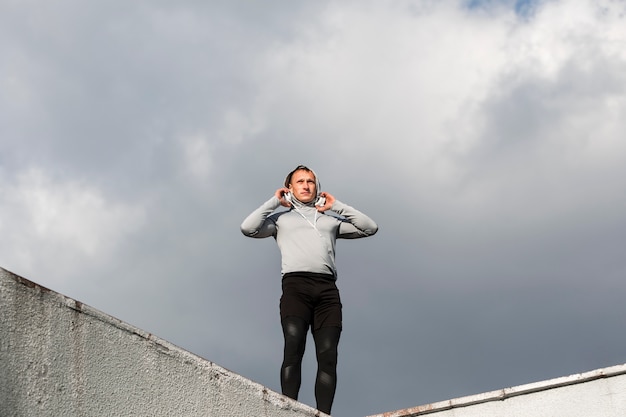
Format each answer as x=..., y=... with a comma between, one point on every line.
x=295, y=331
x=326, y=342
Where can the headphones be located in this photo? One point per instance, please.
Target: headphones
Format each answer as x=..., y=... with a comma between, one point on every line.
x=319, y=202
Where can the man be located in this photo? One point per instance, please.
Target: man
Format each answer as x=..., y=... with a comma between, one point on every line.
x=306, y=237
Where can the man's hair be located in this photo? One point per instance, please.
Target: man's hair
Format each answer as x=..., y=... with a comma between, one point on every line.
x=298, y=168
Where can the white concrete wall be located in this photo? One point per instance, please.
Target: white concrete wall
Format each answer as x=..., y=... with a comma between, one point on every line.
x=600, y=393
x=59, y=357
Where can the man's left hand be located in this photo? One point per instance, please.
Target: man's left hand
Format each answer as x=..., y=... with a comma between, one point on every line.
x=330, y=200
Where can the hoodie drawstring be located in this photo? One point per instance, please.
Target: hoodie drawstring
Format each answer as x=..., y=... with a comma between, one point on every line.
x=314, y=224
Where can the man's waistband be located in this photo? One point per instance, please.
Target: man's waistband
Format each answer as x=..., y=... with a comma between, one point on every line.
x=312, y=275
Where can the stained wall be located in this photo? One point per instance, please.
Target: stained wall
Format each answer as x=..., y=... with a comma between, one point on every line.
x=59, y=357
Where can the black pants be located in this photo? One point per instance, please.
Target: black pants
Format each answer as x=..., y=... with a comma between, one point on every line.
x=310, y=300
x=326, y=339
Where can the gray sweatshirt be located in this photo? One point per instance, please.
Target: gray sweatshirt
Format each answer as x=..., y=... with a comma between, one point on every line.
x=306, y=238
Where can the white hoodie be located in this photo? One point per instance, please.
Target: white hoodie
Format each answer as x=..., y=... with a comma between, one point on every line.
x=306, y=238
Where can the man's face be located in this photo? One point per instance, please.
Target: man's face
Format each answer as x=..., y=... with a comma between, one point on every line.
x=303, y=186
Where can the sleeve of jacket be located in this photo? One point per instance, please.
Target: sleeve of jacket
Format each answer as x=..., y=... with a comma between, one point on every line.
x=259, y=224
x=355, y=223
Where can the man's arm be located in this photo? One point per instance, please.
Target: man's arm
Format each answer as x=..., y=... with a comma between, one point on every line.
x=258, y=224
x=356, y=224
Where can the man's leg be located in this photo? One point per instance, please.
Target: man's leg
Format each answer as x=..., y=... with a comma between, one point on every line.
x=326, y=342
x=294, y=331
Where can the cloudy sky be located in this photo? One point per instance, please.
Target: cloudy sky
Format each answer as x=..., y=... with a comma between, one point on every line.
x=486, y=138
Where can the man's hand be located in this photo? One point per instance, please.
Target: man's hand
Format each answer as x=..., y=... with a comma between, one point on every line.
x=330, y=200
x=280, y=195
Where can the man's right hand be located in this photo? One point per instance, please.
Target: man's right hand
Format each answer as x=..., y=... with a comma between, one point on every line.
x=280, y=195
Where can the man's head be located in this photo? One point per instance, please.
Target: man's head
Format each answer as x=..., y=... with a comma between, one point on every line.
x=302, y=183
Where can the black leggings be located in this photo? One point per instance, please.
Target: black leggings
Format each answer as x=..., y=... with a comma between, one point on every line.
x=326, y=341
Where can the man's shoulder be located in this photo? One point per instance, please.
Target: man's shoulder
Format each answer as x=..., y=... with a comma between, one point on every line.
x=275, y=216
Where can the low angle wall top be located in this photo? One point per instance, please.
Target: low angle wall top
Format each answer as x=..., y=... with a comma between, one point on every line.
x=599, y=393
x=59, y=357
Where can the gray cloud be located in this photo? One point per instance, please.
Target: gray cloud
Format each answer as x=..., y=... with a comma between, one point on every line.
x=487, y=145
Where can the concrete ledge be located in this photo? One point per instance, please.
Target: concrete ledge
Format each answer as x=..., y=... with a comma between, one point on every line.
x=60, y=357
x=590, y=398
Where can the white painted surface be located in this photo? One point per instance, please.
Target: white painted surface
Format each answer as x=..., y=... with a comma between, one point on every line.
x=59, y=357
x=600, y=393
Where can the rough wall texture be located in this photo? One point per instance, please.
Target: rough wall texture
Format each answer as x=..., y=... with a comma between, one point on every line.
x=59, y=357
